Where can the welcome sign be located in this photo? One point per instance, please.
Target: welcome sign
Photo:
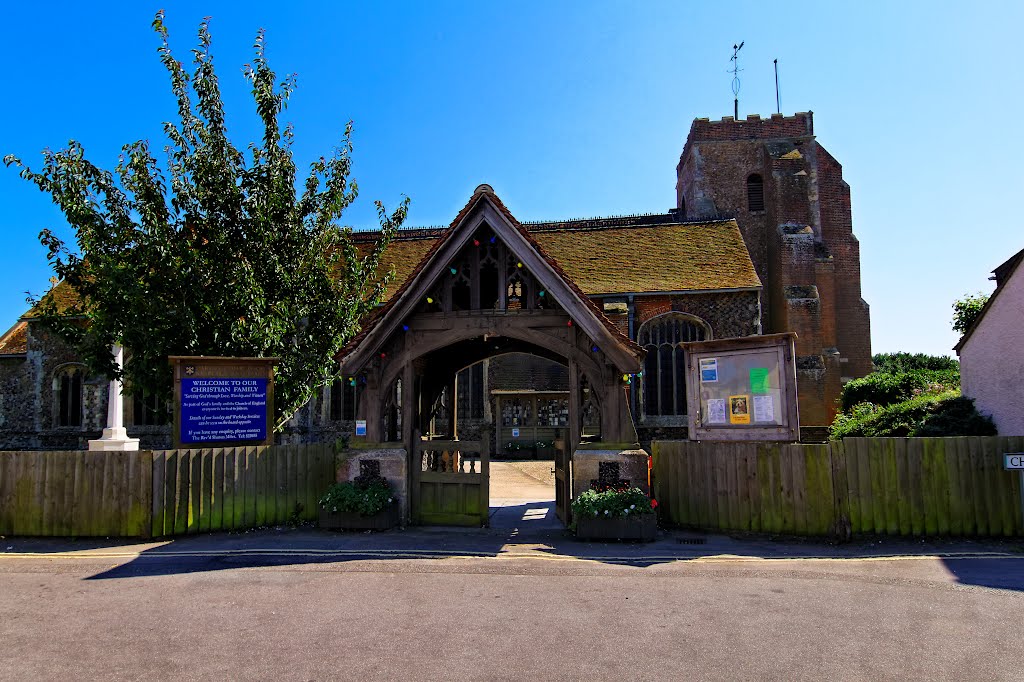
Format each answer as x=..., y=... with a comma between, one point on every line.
x=223, y=401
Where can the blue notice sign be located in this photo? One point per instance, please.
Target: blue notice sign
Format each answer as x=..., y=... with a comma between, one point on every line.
x=223, y=410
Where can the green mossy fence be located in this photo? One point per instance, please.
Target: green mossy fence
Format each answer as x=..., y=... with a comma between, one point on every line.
x=889, y=486
x=157, y=493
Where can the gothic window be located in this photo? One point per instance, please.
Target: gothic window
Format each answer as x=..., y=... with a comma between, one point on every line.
x=664, y=380
x=755, y=192
x=67, y=389
x=514, y=293
x=343, y=399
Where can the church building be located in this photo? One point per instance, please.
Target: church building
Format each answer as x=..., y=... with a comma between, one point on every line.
x=760, y=241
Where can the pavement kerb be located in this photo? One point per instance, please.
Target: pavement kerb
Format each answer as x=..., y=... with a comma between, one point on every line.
x=535, y=555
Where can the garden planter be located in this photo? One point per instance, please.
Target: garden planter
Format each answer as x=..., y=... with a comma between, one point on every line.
x=385, y=519
x=641, y=527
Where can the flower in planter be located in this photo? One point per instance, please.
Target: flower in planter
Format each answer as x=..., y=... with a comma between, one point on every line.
x=366, y=496
x=612, y=503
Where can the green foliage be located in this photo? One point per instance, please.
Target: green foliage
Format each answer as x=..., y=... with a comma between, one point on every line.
x=909, y=362
x=365, y=498
x=881, y=388
x=612, y=503
x=966, y=311
x=901, y=376
x=908, y=395
x=219, y=254
x=295, y=518
x=943, y=414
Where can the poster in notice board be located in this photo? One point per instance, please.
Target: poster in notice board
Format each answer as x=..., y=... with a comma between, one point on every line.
x=746, y=390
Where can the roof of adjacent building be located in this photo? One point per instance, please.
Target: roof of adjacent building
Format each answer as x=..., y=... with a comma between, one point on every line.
x=634, y=254
x=15, y=341
x=1002, y=274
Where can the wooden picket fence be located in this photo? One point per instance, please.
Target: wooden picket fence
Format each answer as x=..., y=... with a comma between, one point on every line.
x=158, y=493
x=76, y=493
x=198, y=491
x=890, y=486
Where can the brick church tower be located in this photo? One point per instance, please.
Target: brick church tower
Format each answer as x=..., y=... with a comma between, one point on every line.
x=792, y=205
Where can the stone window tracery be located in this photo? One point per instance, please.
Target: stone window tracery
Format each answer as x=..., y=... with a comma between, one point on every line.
x=663, y=384
x=343, y=399
x=67, y=392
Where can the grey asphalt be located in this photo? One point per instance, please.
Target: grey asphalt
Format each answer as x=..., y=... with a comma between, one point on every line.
x=508, y=603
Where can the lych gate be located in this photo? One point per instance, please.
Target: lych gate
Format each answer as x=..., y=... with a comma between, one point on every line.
x=484, y=289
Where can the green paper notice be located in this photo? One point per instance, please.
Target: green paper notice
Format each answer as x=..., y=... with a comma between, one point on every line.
x=759, y=380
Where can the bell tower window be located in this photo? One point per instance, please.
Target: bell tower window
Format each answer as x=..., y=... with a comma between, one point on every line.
x=755, y=192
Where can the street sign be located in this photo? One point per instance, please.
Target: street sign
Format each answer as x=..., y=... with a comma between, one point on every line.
x=1013, y=461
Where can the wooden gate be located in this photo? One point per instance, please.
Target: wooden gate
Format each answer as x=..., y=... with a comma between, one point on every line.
x=450, y=482
x=563, y=485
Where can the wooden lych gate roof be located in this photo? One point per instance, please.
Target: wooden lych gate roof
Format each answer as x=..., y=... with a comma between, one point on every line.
x=484, y=207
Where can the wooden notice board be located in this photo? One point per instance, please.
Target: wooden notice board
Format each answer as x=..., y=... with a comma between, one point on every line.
x=223, y=401
x=743, y=388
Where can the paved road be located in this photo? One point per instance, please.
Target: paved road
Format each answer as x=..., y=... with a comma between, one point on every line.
x=507, y=604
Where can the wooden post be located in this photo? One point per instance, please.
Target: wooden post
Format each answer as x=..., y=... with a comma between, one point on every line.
x=409, y=413
x=573, y=438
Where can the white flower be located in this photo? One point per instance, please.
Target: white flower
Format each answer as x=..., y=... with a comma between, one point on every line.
x=626, y=511
x=606, y=512
x=632, y=506
x=335, y=509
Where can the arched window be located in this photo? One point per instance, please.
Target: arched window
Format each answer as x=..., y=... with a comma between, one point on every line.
x=67, y=395
x=755, y=192
x=343, y=399
x=664, y=380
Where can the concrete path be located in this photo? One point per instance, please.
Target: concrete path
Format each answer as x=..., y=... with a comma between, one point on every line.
x=523, y=496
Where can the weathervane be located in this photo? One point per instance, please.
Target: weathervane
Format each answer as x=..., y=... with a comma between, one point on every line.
x=735, y=59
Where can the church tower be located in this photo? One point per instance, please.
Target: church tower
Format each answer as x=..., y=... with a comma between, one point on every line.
x=789, y=198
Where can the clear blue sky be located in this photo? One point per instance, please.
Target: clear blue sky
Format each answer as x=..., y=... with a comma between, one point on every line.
x=569, y=109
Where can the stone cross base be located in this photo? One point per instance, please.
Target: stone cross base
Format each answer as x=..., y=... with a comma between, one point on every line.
x=114, y=440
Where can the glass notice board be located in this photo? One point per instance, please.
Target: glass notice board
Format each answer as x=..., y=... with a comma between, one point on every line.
x=741, y=389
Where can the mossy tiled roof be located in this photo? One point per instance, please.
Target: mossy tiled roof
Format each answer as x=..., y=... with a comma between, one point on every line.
x=15, y=341
x=63, y=296
x=601, y=256
x=609, y=258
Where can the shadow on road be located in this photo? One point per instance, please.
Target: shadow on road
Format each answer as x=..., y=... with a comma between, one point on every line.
x=984, y=572
x=527, y=529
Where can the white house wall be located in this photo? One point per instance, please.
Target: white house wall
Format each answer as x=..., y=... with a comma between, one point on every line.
x=992, y=360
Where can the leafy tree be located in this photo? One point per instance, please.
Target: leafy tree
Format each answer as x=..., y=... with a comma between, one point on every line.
x=943, y=414
x=966, y=311
x=910, y=362
x=218, y=255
